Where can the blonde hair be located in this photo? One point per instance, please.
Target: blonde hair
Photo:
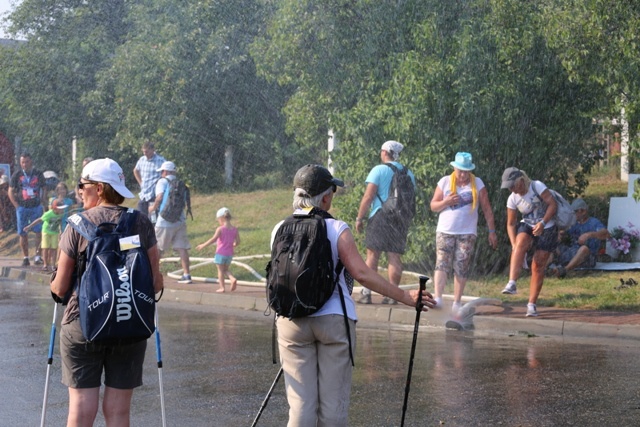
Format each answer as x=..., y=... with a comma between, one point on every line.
x=302, y=199
x=525, y=178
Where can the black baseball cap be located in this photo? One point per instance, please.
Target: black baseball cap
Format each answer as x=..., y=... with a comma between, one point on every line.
x=315, y=179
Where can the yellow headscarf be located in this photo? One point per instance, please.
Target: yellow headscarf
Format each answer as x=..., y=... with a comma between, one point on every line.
x=474, y=191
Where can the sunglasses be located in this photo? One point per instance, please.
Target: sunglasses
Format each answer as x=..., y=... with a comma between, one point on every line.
x=81, y=185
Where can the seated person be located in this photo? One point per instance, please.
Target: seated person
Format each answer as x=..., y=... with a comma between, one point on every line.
x=580, y=244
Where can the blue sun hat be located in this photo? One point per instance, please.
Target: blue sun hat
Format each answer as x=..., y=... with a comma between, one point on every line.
x=463, y=162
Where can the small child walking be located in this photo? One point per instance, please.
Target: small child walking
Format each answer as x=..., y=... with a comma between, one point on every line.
x=50, y=220
x=226, y=238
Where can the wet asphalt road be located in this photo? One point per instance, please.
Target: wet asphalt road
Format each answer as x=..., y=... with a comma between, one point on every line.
x=217, y=371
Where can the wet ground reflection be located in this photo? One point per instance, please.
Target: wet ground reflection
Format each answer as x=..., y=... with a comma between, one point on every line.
x=217, y=371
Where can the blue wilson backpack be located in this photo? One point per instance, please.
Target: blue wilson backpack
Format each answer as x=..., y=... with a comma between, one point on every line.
x=115, y=290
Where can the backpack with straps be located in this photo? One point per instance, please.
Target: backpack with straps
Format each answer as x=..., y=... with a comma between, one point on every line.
x=178, y=199
x=115, y=286
x=300, y=275
x=401, y=203
x=565, y=215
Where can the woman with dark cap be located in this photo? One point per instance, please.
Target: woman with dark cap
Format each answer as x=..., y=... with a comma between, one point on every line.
x=314, y=350
x=103, y=190
x=538, y=208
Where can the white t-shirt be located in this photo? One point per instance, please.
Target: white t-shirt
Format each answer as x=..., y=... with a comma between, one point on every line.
x=460, y=218
x=333, y=306
x=531, y=206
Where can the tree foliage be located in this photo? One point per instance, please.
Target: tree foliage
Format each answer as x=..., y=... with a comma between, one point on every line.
x=511, y=81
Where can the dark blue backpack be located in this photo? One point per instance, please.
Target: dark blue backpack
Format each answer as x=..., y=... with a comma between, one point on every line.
x=115, y=290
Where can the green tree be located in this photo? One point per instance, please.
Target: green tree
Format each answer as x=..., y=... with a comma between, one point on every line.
x=44, y=80
x=184, y=78
x=456, y=76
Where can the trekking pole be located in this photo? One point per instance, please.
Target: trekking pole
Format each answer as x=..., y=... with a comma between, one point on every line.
x=419, y=305
x=49, y=362
x=266, y=399
x=159, y=357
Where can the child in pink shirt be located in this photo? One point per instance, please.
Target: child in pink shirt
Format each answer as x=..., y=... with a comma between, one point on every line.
x=226, y=238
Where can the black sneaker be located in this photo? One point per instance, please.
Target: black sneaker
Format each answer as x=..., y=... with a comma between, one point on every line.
x=25, y=262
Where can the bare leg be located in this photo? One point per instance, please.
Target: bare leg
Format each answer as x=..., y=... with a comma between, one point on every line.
x=395, y=268
x=538, y=266
x=581, y=256
x=116, y=406
x=231, y=277
x=440, y=279
x=373, y=257
x=523, y=243
x=458, y=288
x=38, y=242
x=184, y=260
x=24, y=244
x=221, y=271
x=83, y=406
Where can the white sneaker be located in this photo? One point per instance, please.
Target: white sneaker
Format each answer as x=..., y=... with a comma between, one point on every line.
x=37, y=260
x=531, y=310
x=185, y=279
x=456, y=307
x=510, y=289
x=438, y=302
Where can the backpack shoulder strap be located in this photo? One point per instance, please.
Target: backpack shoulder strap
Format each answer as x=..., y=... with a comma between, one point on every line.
x=535, y=190
x=187, y=199
x=395, y=170
x=83, y=226
x=127, y=221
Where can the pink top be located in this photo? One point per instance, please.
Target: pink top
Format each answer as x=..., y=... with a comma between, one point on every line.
x=225, y=241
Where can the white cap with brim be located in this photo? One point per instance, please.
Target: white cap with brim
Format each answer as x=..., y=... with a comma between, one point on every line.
x=108, y=172
x=167, y=166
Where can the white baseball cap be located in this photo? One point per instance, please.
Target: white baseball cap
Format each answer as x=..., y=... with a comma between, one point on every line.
x=109, y=172
x=167, y=166
x=222, y=212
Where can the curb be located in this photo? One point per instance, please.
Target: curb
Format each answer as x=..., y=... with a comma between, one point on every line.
x=385, y=317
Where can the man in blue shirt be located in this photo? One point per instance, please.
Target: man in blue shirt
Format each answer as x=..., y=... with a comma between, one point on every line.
x=580, y=244
x=383, y=234
x=147, y=175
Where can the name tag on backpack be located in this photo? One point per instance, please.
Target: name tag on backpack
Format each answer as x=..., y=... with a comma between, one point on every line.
x=130, y=242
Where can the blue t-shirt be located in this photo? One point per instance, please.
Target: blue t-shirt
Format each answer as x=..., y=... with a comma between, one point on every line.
x=381, y=175
x=591, y=224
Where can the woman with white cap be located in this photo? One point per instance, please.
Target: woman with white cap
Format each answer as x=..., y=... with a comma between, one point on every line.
x=103, y=191
x=456, y=199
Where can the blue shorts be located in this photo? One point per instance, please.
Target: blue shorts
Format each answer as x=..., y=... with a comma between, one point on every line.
x=26, y=216
x=221, y=259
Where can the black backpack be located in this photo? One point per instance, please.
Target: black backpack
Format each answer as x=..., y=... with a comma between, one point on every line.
x=401, y=203
x=179, y=199
x=300, y=275
x=115, y=287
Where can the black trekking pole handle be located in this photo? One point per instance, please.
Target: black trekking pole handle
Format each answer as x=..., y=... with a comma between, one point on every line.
x=419, y=306
x=423, y=287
